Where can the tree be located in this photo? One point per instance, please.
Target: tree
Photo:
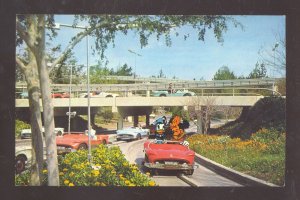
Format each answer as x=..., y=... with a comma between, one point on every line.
x=161, y=74
x=259, y=71
x=224, y=74
x=274, y=56
x=31, y=32
x=125, y=70
x=202, y=107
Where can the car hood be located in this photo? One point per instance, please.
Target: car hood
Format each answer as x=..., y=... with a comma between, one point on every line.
x=70, y=139
x=161, y=149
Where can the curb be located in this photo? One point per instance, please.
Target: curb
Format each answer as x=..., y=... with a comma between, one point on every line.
x=188, y=180
x=229, y=173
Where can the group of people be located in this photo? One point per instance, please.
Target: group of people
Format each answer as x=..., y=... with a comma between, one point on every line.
x=172, y=130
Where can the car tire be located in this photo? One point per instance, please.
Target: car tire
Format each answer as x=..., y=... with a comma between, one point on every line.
x=138, y=137
x=82, y=146
x=104, y=142
x=59, y=133
x=162, y=95
x=189, y=172
x=187, y=94
x=109, y=96
x=20, y=163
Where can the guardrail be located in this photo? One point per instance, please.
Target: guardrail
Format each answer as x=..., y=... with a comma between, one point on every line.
x=239, y=83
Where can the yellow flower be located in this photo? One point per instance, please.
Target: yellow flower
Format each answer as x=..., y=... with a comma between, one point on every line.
x=66, y=182
x=147, y=173
x=151, y=183
x=97, y=183
x=61, y=173
x=131, y=185
x=45, y=171
x=127, y=182
x=71, y=174
x=95, y=173
x=71, y=184
x=65, y=169
x=103, y=184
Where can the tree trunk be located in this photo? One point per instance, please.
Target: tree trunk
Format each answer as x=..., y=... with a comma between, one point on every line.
x=36, y=126
x=48, y=113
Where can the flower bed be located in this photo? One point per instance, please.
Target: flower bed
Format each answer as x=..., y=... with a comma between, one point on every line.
x=109, y=168
x=262, y=156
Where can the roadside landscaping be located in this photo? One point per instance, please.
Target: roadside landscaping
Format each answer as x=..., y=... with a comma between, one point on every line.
x=261, y=156
x=109, y=168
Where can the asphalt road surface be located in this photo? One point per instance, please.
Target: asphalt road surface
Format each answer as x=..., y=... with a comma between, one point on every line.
x=133, y=152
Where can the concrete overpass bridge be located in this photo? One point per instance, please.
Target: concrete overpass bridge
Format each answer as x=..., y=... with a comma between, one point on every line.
x=137, y=106
x=131, y=105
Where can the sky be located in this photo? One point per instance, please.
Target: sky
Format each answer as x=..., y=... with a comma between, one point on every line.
x=185, y=59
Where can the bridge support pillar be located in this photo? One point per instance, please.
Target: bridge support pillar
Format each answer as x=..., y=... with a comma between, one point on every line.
x=148, y=93
x=120, y=123
x=135, y=120
x=147, y=120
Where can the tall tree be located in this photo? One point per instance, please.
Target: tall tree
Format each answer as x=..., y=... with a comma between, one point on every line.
x=31, y=32
x=259, y=71
x=274, y=56
x=224, y=73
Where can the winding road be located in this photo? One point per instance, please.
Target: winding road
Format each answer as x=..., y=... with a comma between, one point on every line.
x=202, y=176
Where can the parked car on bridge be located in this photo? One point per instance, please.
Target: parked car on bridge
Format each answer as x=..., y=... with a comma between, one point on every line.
x=60, y=95
x=132, y=133
x=98, y=94
x=170, y=155
x=78, y=140
x=164, y=93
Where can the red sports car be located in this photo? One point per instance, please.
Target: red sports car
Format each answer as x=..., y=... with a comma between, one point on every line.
x=60, y=95
x=170, y=155
x=78, y=140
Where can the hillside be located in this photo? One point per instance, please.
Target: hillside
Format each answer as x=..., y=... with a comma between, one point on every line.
x=268, y=112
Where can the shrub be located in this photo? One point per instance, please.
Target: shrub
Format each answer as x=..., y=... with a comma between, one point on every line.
x=109, y=168
x=20, y=125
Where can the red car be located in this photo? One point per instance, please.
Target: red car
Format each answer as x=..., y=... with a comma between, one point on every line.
x=60, y=95
x=78, y=140
x=171, y=155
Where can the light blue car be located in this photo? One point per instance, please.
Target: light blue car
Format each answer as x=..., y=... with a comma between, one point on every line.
x=132, y=133
x=164, y=93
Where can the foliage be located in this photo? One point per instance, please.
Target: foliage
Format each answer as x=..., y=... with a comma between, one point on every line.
x=224, y=73
x=281, y=85
x=268, y=112
x=262, y=156
x=98, y=73
x=259, y=71
x=20, y=125
x=109, y=168
x=106, y=114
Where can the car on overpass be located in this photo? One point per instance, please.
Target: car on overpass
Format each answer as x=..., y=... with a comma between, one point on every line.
x=60, y=95
x=98, y=94
x=173, y=93
x=132, y=133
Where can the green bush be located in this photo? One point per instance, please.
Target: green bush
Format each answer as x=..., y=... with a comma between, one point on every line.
x=20, y=125
x=109, y=168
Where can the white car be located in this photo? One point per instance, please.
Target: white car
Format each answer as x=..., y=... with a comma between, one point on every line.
x=99, y=94
x=26, y=133
x=132, y=133
x=23, y=156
